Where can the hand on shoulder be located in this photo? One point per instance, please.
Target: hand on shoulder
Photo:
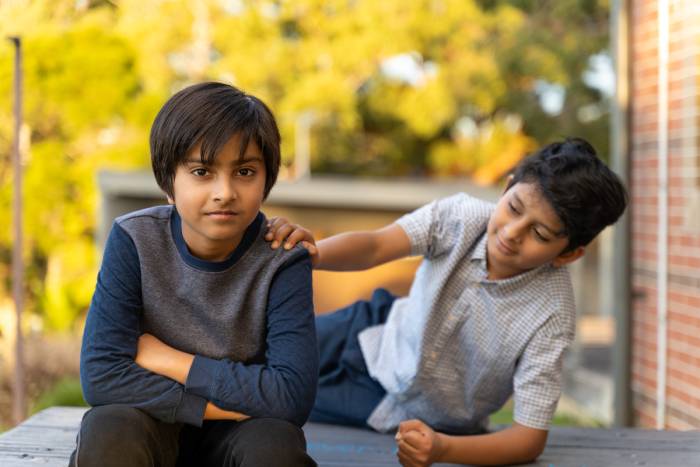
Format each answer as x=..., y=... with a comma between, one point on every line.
x=283, y=233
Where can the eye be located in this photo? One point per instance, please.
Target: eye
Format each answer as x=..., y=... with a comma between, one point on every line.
x=512, y=209
x=199, y=172
x=539, y=236
x=246, y=172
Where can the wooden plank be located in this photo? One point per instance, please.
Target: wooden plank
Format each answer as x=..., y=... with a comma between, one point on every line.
x=625, y=438
x=48, y=438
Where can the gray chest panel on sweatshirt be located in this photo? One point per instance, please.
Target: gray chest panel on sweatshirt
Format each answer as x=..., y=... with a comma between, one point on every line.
x=215, y=314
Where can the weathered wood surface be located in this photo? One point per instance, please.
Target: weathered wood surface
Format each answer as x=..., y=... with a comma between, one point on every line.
x=48, y=438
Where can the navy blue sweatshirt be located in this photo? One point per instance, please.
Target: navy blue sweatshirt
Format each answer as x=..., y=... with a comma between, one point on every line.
x=248, y=320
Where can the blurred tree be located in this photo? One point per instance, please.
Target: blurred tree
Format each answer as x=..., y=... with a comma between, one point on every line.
x=425, y=87
x=80, y=84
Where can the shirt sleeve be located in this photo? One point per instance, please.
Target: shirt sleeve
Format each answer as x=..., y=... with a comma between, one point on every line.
x=108, y=372
x=537, y=380
x=284, y=386
x=435, y=228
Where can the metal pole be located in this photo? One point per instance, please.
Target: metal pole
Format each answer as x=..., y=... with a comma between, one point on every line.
x=662, y=234
x=18, y=399
x=621, y=283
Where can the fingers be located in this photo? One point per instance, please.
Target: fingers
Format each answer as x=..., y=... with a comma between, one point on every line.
x=281, y=233
x=408, y=449
x=414, y=444
x=415, y=440
x=273, y=224
x=409, y=458
x=313, y=253
x=405, y=460
x=298, y=235
x=413, y=424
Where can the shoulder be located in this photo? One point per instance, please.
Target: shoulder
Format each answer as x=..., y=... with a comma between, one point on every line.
x=155, y=214
x=296, y=258
x=557, y=297
x=464, y=211
x=464, y=214
x=261, y=253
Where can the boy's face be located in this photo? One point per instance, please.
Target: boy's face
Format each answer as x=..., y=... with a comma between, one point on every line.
x=218, y=202
x=524, y=232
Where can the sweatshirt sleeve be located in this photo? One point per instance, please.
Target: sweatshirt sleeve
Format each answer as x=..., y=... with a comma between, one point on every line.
x=108, y=372
x=284, y=386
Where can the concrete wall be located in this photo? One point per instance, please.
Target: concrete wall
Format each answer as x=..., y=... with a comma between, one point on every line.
x=326, y=206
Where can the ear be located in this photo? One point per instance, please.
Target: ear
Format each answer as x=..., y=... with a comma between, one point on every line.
x=170, y=200
x=568, y=257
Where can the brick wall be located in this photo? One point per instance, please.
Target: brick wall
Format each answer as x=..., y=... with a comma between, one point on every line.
x=683, y=373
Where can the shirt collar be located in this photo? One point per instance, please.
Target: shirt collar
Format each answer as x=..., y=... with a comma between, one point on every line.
x=479, y=251
x=249, y=237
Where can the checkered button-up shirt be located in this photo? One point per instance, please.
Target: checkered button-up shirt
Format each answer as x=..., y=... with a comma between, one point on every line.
x=457, y=348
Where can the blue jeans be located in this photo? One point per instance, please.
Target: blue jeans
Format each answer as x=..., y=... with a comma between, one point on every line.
x=347, y=394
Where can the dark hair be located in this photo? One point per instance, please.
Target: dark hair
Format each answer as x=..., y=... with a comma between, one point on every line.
x=586, y=195
x=211, y=114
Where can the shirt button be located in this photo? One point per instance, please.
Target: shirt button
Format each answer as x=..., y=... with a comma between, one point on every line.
x=433, y=355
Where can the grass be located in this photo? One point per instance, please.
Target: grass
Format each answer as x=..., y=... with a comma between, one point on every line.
x=561, y=418
x=66, y=392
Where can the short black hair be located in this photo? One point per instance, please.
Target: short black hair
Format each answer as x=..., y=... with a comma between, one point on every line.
x=585, y=194
x=210, y=114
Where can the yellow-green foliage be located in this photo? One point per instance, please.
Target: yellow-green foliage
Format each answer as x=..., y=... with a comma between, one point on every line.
x=97, y=71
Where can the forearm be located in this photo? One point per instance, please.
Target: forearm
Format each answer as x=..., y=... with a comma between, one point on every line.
x=350, y=251
x=109, y=373
x=252, y=390
x=175, y=364
x=158, y=357
x=107, y=379
x=212, y=412
x=514, y=445
x=354, y=251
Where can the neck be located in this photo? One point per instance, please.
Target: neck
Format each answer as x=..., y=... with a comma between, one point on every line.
x=209, y=250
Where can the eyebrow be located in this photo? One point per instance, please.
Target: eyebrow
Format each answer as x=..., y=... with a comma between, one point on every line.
x=545, y=226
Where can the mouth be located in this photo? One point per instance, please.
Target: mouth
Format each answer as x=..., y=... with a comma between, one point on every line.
x=222, y=214
x=504, y=248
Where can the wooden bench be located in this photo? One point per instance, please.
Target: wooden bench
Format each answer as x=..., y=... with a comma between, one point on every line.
x=48, y=438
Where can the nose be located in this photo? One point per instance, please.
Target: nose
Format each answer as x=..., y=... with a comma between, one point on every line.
x=513, y=231
x=224, y=190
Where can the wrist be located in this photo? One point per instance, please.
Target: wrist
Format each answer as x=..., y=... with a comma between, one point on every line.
x=181, y=366
x=442, y=442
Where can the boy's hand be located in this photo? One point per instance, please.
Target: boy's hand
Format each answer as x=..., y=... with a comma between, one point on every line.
x=419, y=445
x=282, y=232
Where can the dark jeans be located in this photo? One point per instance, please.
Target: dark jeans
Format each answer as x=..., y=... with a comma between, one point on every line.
x=346, y=393
x=117, y=435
